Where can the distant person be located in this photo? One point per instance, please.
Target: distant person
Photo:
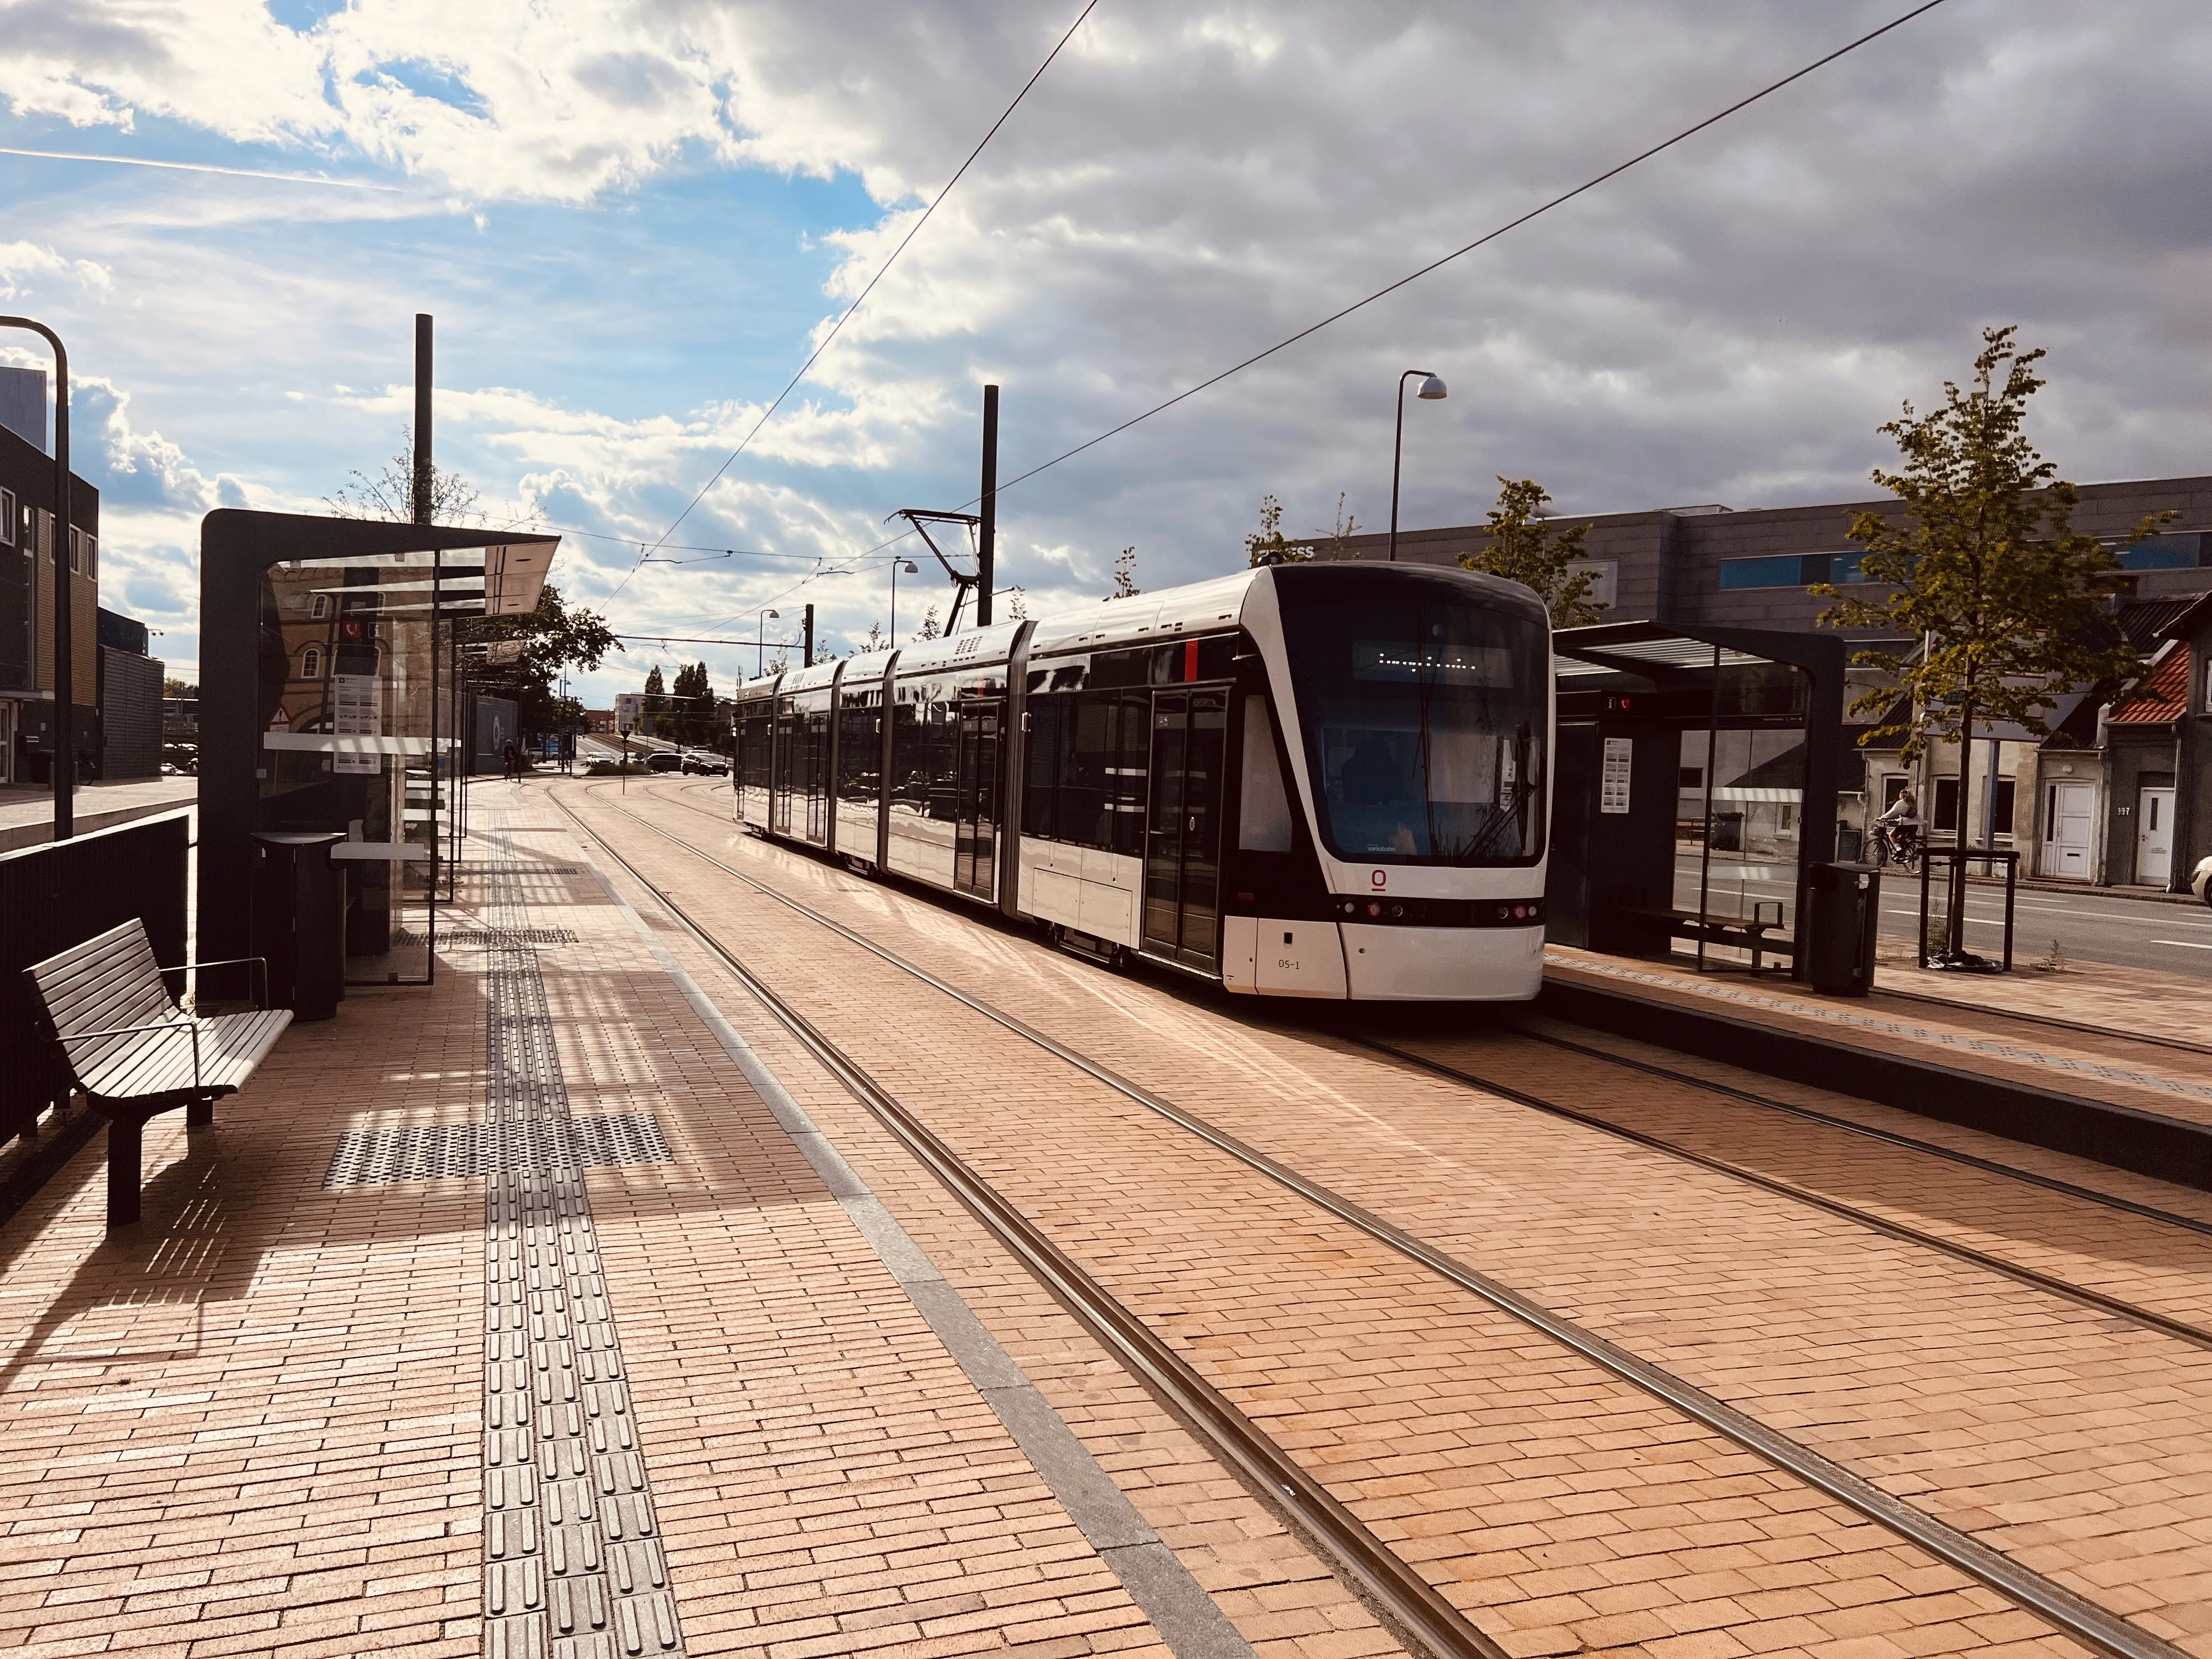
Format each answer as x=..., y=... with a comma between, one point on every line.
x=513, y=757
x=567, y=752
x=1901, y=823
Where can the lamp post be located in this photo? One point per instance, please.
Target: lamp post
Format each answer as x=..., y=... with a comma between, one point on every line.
x=911, y=569
x=1432, y=388
x=65, y=607
x=760, y=640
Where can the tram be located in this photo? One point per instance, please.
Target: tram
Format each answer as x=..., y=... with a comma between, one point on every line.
x=1311, y=780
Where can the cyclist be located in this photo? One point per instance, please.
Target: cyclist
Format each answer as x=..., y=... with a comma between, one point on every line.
x=1899, y=826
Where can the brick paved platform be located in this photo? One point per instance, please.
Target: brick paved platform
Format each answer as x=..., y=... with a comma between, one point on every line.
x=569, y=1307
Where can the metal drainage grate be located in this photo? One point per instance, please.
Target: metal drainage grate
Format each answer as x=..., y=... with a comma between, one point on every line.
x=519, y=869
x=495, y=936
x=465, y=1151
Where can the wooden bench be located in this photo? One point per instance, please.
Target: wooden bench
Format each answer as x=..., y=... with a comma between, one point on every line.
x=1761, y=938
x=134, y=1052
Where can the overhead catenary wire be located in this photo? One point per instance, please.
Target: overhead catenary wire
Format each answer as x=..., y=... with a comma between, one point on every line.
x=913, y=230
x=1512, y=224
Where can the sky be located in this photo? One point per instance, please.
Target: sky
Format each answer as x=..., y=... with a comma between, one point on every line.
x=633, y=220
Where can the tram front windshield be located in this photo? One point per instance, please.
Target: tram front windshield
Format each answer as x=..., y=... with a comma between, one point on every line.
x=1424, y=714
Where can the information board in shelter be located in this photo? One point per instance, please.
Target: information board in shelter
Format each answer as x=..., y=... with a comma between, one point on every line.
x=355, y=712
x=1613, y=781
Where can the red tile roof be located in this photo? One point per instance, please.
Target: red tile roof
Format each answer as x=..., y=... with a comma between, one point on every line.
x=2163, y=695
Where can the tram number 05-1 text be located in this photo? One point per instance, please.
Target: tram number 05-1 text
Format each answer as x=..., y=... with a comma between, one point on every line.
x=1288, y=964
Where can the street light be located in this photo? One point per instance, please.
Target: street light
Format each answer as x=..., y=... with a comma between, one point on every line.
x=911, y=569
x=759, y=638
x=64, y=595
x=1432, y=388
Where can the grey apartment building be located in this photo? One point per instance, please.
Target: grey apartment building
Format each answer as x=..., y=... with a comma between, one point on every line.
x=2112, y=797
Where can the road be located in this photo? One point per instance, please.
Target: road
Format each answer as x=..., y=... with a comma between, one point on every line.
x=2173, y=938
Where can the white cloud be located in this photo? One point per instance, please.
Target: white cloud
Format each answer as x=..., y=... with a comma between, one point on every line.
x=20, y=262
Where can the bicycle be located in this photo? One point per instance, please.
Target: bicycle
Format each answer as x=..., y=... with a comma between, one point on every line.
x=1898, y=848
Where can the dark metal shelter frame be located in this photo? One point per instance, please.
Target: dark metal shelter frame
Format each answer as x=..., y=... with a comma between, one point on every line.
x=1627, y=694
x=469, y=573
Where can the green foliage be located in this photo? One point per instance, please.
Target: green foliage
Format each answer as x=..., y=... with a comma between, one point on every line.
x=1125, y=575
x=1524, y=547
x=1983, y=567
x=693, y=704
x=1268, y=544
x=930, y=627
x=655, y=705
x=554, y=638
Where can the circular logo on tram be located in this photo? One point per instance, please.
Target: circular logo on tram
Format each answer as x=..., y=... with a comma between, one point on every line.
x=1379, y=878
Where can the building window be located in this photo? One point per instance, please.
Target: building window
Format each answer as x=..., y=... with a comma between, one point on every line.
x=1946, y=803
x=7, y=518
x=311, y=663
x=322, y=607
x=2001, y=812
x=1789, y=570
x=2184, y=551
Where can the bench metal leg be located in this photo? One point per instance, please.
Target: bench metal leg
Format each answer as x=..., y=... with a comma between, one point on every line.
x=199, y=1113
x=124, y=1141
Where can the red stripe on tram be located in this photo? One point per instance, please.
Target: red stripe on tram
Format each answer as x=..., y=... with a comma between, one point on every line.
x=1189, y=660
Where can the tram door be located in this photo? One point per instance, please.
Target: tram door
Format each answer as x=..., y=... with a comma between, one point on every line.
x=1182, y=838
x=789, y=726
x=975, y=799
x=814, y=775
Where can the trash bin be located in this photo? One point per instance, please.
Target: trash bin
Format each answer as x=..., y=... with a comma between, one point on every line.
x=1843, y=916
x=299, y=920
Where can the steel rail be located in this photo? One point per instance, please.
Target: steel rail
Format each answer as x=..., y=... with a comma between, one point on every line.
x=2085, y=1620
x=1370, y=1569
x=1889, y=1137
x=2059, y=1287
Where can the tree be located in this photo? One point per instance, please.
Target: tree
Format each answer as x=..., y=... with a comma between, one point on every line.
x=1527, y=548
x=1125, y=575
x=655, y=702
x=553, y=638
x=929, y=628
x=1986, y=570
x=176, y=687
x=694, y=701
x=391, y=493
x=1339, y=539
x=1268, y=544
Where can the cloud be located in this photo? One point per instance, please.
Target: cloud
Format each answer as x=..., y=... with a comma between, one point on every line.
x=1188, y=183
x=22, y=261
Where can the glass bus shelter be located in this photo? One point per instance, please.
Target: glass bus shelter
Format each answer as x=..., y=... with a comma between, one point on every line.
x=1695, y=790
x=329, y=703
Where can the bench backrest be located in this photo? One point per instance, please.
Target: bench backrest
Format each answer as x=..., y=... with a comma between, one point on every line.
x=109, y=981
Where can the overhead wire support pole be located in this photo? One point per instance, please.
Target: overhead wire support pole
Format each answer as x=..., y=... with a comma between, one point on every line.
x=1515, y=223
x=986, y=534
x=64, y=594
x=881, y=270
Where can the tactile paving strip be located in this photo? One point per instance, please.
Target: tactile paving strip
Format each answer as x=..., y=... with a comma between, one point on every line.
x=465, y=1151
x=572, y=1561
x=487, y=936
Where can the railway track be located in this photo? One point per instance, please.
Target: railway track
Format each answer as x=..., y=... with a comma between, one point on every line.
x=1217, y=1420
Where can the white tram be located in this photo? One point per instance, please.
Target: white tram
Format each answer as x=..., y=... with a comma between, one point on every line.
x=1315, y=779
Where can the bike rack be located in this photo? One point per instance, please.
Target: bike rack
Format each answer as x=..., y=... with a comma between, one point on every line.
x=1958, y=857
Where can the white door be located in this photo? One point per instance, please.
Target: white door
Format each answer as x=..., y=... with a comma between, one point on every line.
x=2154, y=836
x=2069, y=819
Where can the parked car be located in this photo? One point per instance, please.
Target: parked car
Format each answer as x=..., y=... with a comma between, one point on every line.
x=664, y=760
x=702, y=764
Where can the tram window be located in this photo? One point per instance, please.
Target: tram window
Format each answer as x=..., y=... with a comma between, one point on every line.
x=1126, y=786
x=1264, y=806
x=1040, y=790
x=860, y=754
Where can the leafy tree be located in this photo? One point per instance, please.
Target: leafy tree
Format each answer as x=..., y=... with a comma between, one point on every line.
x=1268, y=544
x=553, y=638
x=929, y=628
x=1125, y=575
x=694, y=701
x=875, y=636
x=390, y=494
x=176, y=687
x=1986, y=570
x=1527, y=548
x=655, y=703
